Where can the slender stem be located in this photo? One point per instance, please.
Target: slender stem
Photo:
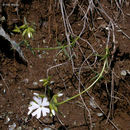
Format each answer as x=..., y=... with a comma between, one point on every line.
x=100, y=75
x=59, y=47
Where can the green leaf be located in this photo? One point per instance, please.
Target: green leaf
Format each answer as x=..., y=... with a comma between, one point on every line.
x=31, y=29
x=24, y=26
x=24, y=32
x=17, y=29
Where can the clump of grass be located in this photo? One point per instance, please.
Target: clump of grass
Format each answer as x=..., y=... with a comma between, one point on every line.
x=27, y=31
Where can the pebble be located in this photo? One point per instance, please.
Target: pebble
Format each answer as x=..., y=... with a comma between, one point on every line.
x=123, y=73
x=40, y=56
x=19, y=128
x=7, y=120
x=43, y=52
x=4, y=91
x=99, y=114
x=12, y=127
x=44, y=41
x=26, y=80
x=47, y=129
x=35, y=83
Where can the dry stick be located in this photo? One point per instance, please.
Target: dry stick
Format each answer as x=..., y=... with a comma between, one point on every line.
x=112, y=93
x=75, y=3
x=102, y=10
x=55, y=67
x=4, y=81
x=68, y=34
x=119, y=8
x=66, y=29
x=98, y=78
x=79, y=78
x=97, y=105
x=82, y=98
x=89, y=114
x=111, y=105
x=105, y=115
x=61, y=122
x=68, y=26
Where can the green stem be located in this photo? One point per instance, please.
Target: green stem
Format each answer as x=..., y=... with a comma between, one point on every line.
x=59, y=47
x=100, y=75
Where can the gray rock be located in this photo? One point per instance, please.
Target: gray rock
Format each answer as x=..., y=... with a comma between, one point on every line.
x=12, y=42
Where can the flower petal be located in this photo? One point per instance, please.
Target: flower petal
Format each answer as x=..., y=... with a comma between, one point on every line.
x=38, y=100
x=30, y=111
x=32, y=103
x=45, y=102
x=60, y=94
x=53, y=112
x=35, y=94
x=32, y=107
x=37, y=112
x=45, y=111
x=41, y=80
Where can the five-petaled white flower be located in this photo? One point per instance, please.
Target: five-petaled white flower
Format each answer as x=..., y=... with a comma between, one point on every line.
x=38, y=107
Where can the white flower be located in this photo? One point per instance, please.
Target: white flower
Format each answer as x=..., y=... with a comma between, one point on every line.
x=29, y=34
x=36, y=94
x=60, y=94
x=53, y=112
x=38, y=106
x=41, y=80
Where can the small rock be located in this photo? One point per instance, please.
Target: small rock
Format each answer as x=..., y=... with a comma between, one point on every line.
x=12, y=127
x=40, y=56
x=26, y=80
x=4, y=91
x=19, y=128
x=93, y=125
x=47, y=129
x=44, y=41
x=99, y=114
x=123, y=73
x=7, y=120
x=35, y=83
x=23, y=94
x=1, y=85
x=43, y=52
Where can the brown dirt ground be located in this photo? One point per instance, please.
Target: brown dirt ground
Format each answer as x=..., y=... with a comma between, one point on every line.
x=16, y=92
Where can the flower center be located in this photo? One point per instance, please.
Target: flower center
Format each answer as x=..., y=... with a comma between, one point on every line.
x=40, y=105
